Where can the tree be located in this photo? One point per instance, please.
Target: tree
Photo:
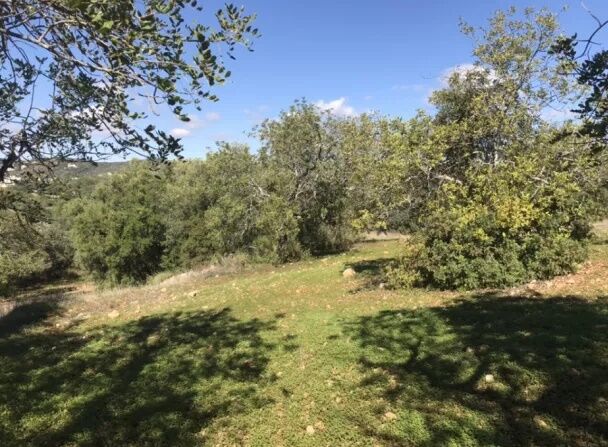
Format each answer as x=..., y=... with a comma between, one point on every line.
x=590, y=69
x=508, y=201
x=390, y=162
x=306, y=166
x=217, y=208
x=32, y=245
x=73, y=72
x=119, y=231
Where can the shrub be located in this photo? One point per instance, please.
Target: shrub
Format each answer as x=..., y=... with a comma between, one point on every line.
x=500, y=229
x=222, y=206
x=305, y=164
x=32, y=247
x=118, y=233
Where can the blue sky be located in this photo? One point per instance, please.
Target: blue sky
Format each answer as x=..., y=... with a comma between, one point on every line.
x=353, y=56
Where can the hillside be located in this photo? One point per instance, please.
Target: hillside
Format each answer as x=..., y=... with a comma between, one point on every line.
x=67, y=169
x=298, y=355
x=82, y=169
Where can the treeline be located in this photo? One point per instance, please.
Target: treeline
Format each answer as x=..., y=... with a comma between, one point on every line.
x=289, y=200
x=285, y=202
x=491, y=193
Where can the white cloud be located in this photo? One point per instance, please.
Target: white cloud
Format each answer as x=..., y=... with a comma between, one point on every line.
x=337, y=107
x=196, y=122
x=180, y=132
x=554, y=115
x=461, y=69
x=257, y=114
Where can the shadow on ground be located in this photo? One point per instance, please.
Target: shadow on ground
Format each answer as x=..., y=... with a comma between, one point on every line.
x=489, y=371
x=161, y=380
x=372, y=271
x=18, y=316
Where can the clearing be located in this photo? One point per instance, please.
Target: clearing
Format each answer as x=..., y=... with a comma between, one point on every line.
x=298, y=355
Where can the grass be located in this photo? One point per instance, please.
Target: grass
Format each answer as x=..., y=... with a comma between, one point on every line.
x=300, y=356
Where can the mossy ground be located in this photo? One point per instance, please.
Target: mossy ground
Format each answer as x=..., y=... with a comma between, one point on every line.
x=300, y=356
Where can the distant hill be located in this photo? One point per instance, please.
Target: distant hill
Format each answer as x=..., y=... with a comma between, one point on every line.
x=66, y=169
x=84, y=169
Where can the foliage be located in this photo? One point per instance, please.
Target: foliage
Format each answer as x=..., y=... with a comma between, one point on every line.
x=217, y=207
x=306, y=167
x=391, y=162
x=590, y=69
x=32, y=245
x=138, y=222
x=507, y=201
x=492, y=194
x=94, y=59
x=119, y=232
x=500, y=228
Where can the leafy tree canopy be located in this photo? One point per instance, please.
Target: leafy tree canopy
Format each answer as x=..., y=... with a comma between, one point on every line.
x=72, y=69
x=589, y=65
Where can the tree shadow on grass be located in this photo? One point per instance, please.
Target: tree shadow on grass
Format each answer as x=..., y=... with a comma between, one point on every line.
x=371, y=268
x=489, y=371
x=372, y=271
x=161, y=380
x=17, y=316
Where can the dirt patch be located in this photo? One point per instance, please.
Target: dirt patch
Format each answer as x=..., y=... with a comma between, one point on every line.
x=601, y=227
x=590, y=281
x=383, y=236
x=192, y=275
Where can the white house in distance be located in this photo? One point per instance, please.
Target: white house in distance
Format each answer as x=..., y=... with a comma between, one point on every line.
x=10, y=178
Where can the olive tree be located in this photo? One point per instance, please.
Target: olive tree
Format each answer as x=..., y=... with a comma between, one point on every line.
x=509, y=202
x=306, y=166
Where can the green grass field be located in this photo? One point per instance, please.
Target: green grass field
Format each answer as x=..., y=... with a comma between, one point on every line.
x=300, y=356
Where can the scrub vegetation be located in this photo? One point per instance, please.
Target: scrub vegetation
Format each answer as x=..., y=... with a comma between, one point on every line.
x=238, y=299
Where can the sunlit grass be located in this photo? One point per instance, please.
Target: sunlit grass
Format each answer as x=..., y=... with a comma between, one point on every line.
x=299, y=355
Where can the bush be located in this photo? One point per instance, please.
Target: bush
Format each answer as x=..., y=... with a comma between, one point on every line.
x=32, y=247
x=222, y=206
x=305, y=163
x=17, y=268
x=119, y=233
x=498, y=230
x=276, y=238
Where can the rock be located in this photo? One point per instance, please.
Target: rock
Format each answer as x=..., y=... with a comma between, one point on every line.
x=390, y=416
x=193, y=294
x=540, y=423
x=319, y=425
x=310, y=430
x=349, y=273
x=114, y=314
x=382, y=285
x=489, y=378
x=152, y=340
